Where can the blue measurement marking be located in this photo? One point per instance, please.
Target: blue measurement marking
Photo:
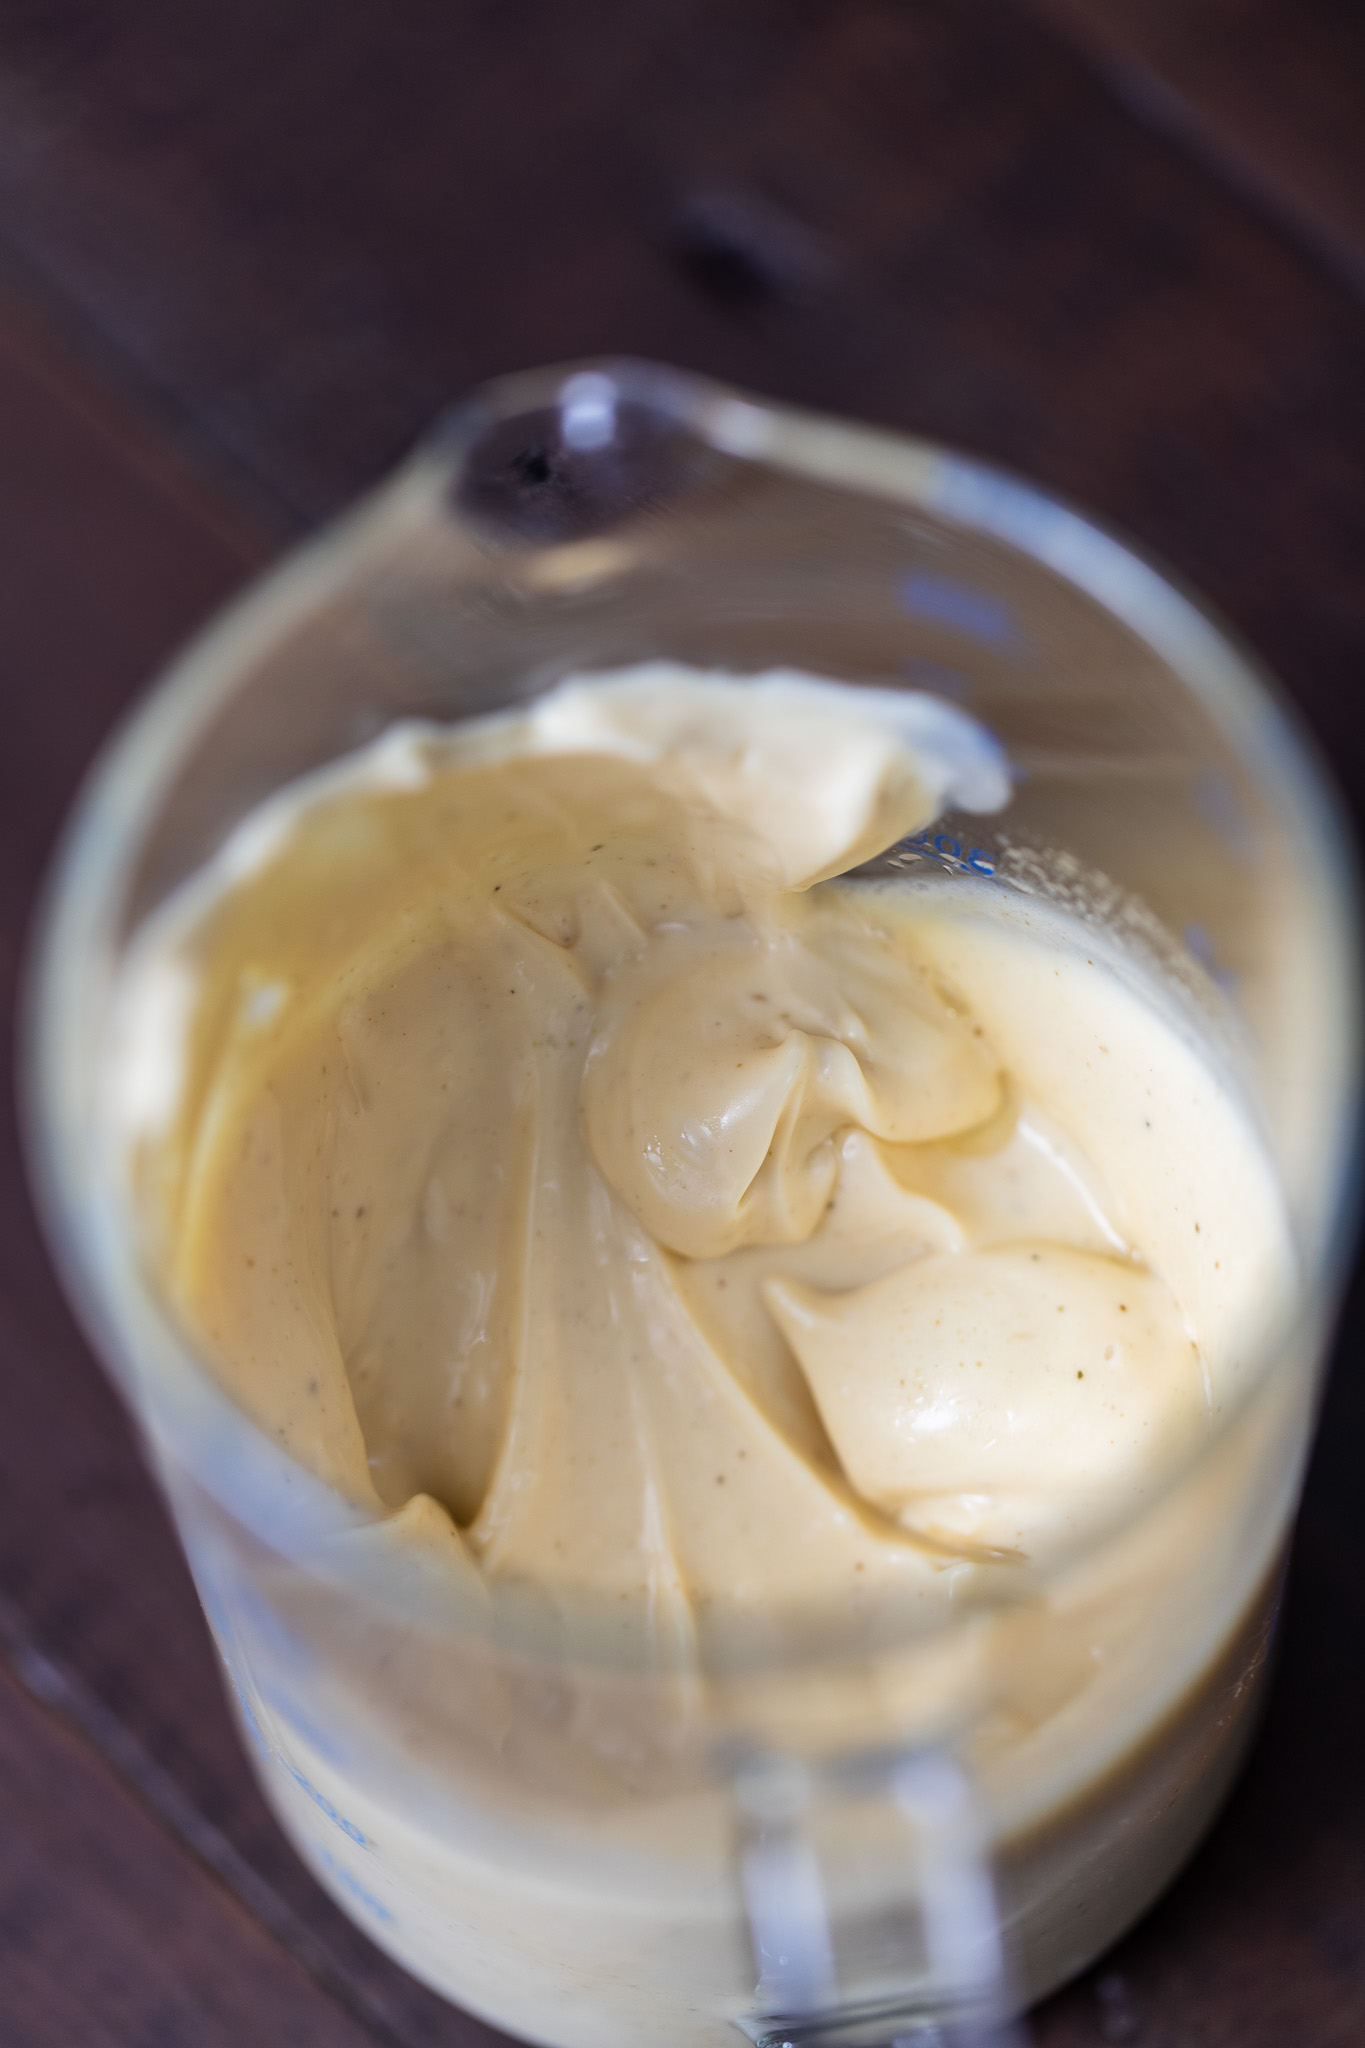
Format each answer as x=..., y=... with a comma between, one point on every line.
x=950, y=603
x=351, y=1883
x=274, y=1756
x=946, y=851
x=324, y=1804
x=1201, y=945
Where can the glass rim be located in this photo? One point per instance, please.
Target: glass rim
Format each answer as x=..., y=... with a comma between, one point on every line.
x=189, y=1420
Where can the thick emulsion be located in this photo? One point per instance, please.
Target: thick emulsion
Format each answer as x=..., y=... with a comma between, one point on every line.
x=556, y=1137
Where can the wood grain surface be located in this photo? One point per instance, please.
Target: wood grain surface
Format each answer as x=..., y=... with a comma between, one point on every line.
x=1269, y=92
x=245, y=254
x=112, y=1931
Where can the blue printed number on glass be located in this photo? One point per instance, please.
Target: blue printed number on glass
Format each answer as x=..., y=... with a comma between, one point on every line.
x=944, y=851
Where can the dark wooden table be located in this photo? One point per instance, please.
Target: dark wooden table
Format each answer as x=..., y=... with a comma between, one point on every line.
x=245, y=253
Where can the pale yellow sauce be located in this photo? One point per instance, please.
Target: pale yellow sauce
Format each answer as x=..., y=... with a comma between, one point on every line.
x=537, y=1130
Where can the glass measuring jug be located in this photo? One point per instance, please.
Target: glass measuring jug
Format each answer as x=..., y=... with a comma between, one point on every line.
x=548, y=1828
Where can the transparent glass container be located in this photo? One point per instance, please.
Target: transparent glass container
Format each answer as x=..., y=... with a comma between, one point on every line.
x=842, y=1826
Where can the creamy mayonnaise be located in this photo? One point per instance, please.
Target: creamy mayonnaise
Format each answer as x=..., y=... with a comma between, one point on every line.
x=553, y=1138
x=554, y=1149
